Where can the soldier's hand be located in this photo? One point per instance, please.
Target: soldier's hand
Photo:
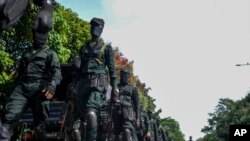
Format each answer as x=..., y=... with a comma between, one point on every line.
x=148, y=135
x=138, y=122
x=115, y=94
x=49, y=95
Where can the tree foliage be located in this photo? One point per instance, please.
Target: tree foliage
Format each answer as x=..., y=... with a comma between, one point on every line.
x=173, y=129
x=69, y=33
x=227, y=112
x=5, y=79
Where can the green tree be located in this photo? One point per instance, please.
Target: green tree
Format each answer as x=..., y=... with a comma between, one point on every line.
x=173, y=129
x=227, y=112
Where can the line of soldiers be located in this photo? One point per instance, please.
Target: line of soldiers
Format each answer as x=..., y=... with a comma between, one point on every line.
x=103, y=114
x=103, y=109
x=130, y=121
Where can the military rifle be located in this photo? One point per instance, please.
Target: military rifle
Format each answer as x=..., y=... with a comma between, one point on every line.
x=110, y=120
x=110, y=99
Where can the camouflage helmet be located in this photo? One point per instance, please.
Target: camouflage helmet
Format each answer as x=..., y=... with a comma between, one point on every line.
x=125, y=70
x=97, y=21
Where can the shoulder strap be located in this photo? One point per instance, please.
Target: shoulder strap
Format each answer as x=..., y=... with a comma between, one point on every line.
x=102, y=53
x=103, y=48
x=34, y=55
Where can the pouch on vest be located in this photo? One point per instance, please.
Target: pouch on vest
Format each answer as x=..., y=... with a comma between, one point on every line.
x=98, y=82
x=128, y=113
x=12, y=11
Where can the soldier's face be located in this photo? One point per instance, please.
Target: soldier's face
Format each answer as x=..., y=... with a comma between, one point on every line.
x=39, y=38
x=124, y=77
x=96, y=30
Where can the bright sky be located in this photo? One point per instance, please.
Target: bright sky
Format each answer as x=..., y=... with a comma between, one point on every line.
x=185, y=50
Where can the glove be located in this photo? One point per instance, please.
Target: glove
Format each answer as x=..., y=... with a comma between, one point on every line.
x=51, y=88
x=48, y=92
x=148, y=134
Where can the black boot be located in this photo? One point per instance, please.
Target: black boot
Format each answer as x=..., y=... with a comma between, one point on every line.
x=40, y=132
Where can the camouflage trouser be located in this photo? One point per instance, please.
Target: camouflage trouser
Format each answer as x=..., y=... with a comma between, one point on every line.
x=121, y=124
x=88, y=99
x=103, y=121
x=129, y=125
x=23, y=96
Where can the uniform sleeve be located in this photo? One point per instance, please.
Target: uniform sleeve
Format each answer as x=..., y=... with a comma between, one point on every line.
x=110, y=62
x=136, y=102
x=55, y=69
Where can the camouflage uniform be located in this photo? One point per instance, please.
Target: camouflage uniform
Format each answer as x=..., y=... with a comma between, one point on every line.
x=129, y=109
x=103, y=123
x=161, y=131
x=162, y=136
x=72, y=126
x=145, y=126
x=153, y=127
x=38, y=69
x=97, y=68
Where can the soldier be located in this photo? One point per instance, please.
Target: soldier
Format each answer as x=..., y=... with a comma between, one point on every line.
x=129, y=108
x=72, y=124
x=153, y=126
x=144, y=133
x=97, y=68
x=161, y=131
x=190, y=138
x=38, y=75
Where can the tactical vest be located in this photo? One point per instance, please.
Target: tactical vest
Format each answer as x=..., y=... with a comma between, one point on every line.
x=94, y=60
x=127, y=107
x=126, y=93
x=36, y=65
